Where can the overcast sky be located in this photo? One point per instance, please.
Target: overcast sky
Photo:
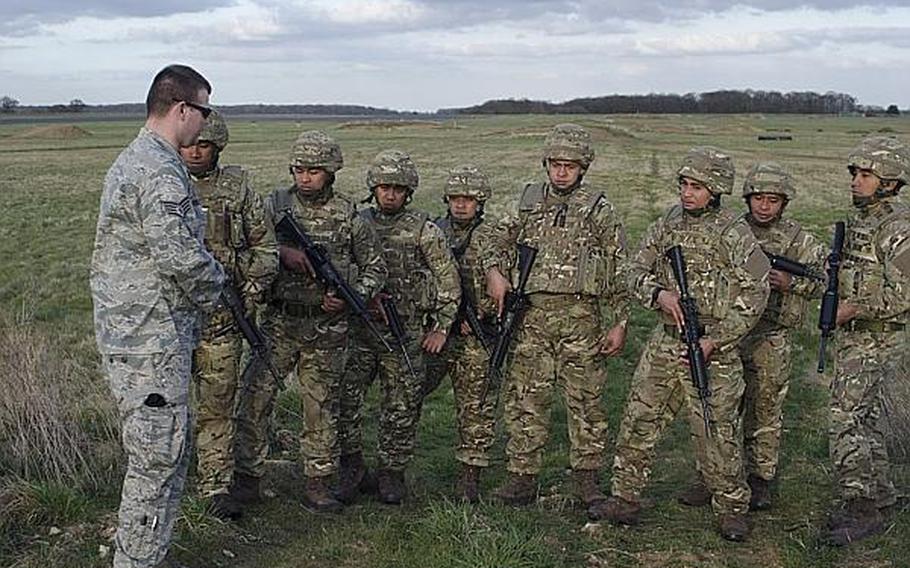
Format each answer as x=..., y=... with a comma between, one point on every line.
x=429, y=54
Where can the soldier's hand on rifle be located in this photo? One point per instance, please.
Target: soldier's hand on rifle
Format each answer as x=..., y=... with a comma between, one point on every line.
x=465, y=329
x=332, y=304
x=375, y=308
x=780, y=280
x=434, y=341
x=668, y=302
x=846, y=312
x=295, y=260
x=613, y=342
x=497, y=286
x=708, y=346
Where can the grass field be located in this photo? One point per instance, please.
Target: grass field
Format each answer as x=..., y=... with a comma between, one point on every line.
x=55, y=410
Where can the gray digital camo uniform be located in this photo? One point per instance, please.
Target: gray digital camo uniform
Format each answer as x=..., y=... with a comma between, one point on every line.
x=581, y=247
x=151, y=278
x=238, y=236
x=875, y=276
x=727, y=275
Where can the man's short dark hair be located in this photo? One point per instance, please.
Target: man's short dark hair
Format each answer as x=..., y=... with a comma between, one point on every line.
x=174, y=83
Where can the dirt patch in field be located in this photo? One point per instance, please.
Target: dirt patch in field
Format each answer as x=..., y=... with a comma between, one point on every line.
x=54, y=132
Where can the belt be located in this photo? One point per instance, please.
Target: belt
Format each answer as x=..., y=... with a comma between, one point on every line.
x=298, y=310
x=874, y=326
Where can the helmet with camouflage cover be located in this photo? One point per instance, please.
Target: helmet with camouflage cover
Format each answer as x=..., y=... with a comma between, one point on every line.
x=711, y=167
x=885, y=156
x=214, y=130
x=467, y=180
x=568, y=142
x=316, y=149
x=392, y=167
x=769, y=177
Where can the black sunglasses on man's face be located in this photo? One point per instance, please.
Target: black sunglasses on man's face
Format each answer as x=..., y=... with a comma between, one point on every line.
x=203, y=109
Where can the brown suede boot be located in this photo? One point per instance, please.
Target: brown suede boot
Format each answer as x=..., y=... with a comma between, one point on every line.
x=734, y=527
x=353, y=471
x=245, y=489
x=857, y=519
x=467, y=486
x=391, y=486
x=619, y=511
x=316, y=496
x=587, y=487
x=761, y=493
x=696, y=495
x=518, y=490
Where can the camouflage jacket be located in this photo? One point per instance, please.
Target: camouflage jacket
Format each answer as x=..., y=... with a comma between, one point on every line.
x=875, y=274
x=725, y=267
x=466, y=240
x=236, y=231
x=151, y=275
x=580, y=241
x=332, y=222
x=423, y=276
x=785, y=237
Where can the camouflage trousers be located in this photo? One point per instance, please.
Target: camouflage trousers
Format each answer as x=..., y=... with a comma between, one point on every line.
x=864, y=362
x=151, y=392
x=556, y=346
x=399, y=396
x=316, y=346
x=766, y=357
x=661, y=387
x=228, y=415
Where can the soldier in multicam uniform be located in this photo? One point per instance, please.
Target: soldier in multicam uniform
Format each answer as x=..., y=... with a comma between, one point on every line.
x=464, y=358
x=237, y=235
x=307, y=323
x=423, y=283
x=151, y=279
x=872, y=318
x=581, y=244
x=728, y=278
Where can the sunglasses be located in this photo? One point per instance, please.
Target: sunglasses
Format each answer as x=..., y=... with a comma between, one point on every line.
x=204, y=110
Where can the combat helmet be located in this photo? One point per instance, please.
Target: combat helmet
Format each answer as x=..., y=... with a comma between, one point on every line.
x=711, y=167
x=214, y=130
x=769, y=177
x=568, y=142
x=467, y=180
x=392, y=167
x=316, y=149
x=885, y=156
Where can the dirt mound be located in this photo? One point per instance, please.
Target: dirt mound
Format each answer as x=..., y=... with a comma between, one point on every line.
x=54, y=132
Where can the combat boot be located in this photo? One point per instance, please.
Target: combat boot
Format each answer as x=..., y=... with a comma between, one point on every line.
x=519, y=490
x=245, y=489
x=467, y=487
x=619, y=511
x=391, y=486
x=858, y=519
x=316, y=496
x=761, y=493
x=696, y=495
x=587, y=488
x=225, y=507
x=353, y=471
x=734, y=527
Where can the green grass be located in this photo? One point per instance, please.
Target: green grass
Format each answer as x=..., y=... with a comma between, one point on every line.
x=49, y=196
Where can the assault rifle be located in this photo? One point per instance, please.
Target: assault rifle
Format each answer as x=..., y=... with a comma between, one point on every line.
x=259, y=348
x=515, y=306
x=827, y=317
x=793, y=267
x=692, y=334
x=327, y=273
x=397, y=329
x=467, y=312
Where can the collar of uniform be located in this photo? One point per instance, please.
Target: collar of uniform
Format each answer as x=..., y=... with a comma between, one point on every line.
x=388, y=218
x=755, y=224
x=155, y=138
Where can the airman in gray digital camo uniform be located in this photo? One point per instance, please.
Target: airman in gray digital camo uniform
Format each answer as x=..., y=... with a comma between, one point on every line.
x=728, y=278
x=237, y=235
x=152, y=279
x=581, y=247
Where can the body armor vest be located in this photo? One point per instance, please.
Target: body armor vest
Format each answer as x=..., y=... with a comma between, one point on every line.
x=781, y=238
x=566, y=233
x=459, y=240
x=328, y=220
x=223, y=195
